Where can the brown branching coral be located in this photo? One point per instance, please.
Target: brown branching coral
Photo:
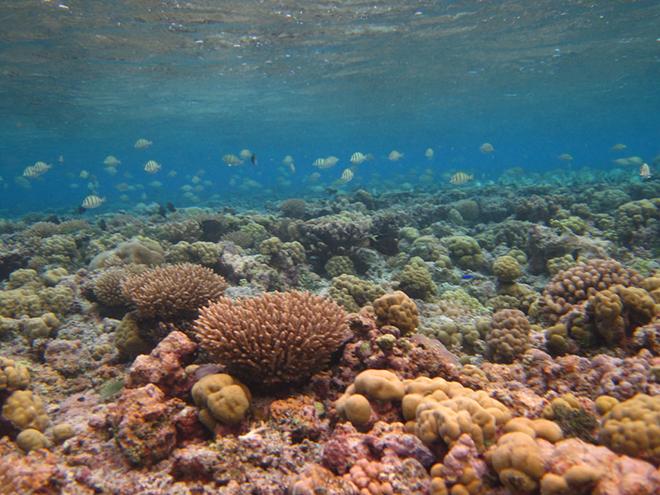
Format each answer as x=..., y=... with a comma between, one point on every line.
x=275, y=338
x=576, y=284
x=174, y=291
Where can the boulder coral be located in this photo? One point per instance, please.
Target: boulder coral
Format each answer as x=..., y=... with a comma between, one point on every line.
x=508, y=338
x=274, y=338
x=398, y=310
x=353, y=293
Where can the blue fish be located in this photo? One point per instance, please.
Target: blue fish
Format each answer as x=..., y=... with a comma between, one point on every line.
x=467, y=276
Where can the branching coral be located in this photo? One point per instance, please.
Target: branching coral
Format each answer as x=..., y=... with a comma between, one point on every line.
x=274, y=338
x=174, y=291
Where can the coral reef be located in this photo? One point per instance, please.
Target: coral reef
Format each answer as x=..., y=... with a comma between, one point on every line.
x=273, y=338
x=172, y=292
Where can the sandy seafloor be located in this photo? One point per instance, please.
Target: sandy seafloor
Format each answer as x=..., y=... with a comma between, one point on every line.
x=473, y=340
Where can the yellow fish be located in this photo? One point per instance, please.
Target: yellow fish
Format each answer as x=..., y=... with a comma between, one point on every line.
x=142, y=144
x=460, y=178
x=645, y=171
x=92, y=201
x=395, y=156
x=486, y=148
x=357, y=158
x=618, y=147
x=111, y=161
x=429, y=153
x=245, y=154
x=231, y=160
x=151, y=167
x=347, y=175
x=566, y=157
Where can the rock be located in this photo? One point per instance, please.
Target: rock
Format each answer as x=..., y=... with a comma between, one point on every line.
x=142, y=424
x=165, y=366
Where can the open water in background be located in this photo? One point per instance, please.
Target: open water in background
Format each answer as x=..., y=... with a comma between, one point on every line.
x=85, y=79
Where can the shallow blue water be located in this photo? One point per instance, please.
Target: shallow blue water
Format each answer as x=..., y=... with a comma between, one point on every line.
x=85, y=79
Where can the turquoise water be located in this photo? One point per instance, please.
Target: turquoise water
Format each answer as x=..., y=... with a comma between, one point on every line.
x=85, y=79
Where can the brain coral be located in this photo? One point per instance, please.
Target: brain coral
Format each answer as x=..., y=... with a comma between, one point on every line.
x=174, y=291
x=274, y=338
x=577, y=283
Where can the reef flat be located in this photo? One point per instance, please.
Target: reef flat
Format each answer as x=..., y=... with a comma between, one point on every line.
x=473, y=340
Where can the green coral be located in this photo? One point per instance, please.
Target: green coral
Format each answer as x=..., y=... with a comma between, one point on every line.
x=465, y=252
x=506, y=269
x=415, y=279
x=352, y=292
x=573, y=224
x=559, y=264
x=199, y=253
x=339, y=265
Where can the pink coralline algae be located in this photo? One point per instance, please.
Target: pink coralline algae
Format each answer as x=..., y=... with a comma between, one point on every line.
x=165, y=366
x=142, y=424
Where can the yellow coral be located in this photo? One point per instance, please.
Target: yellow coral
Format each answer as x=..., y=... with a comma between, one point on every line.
x=223, y=397
x=397, y=309
x=24, y=410
x=632, y=427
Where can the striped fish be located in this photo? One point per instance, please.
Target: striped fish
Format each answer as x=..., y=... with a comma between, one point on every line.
x=39, y=168
x=142, y=143
x=92, y=201
x=151, y=167
x=460, y=178
x=347, y=175
x=358, y=157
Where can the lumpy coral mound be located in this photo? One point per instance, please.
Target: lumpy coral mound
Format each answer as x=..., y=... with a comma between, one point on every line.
x=174, y=291
x=275, y=338
x=577, y=283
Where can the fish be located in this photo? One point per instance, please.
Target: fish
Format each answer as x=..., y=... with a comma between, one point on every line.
x=36, y=170
x=331, y=160
x=346, y=175
x=486, y=148
x=152, y=166
x=92, y=201
x=231, y=160
x=170, y=206
x=618, y=147
x=287, y=160
x=60, y=159
x=645, y=171
x=357, y=158
x=162, y=211
x=84, y=174
x=292, y=168
x=467, y=276
x=394, y=156
x=142, y=144
x=566, y=157
x=323, y=163
x=245, y=154
x=460, y=178
x=629, y=160
x=253, y=159
x=111, y=161
x=429, y=153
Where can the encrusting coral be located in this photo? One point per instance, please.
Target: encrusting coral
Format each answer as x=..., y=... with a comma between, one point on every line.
x=274, y=338
x=174, y=291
